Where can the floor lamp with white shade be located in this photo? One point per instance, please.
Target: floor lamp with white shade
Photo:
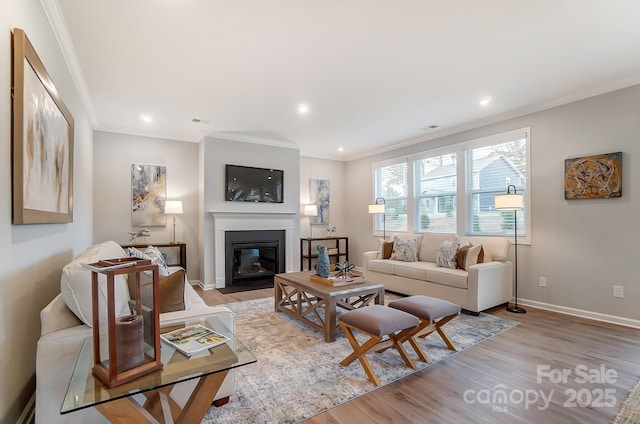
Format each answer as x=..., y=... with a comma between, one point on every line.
x=510, y=201
x=379, y=208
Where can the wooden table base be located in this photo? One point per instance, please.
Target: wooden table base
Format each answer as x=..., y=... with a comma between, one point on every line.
x=160, y=408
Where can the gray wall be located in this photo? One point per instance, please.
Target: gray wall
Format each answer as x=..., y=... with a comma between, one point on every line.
x=32, y=256
x=112, y=158
x=334, y=172
x=583, y=247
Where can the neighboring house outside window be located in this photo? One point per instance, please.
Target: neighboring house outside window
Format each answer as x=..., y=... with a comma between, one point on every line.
x=453, y=190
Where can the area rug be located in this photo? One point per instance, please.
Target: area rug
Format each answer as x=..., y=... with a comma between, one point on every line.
x=630, y=410
x=299, y=375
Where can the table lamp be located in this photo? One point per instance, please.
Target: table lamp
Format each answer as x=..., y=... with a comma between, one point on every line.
x=173, y=207
x=310, y=210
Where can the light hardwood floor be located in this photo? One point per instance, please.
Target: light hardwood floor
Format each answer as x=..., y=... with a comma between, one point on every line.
x=455, y=390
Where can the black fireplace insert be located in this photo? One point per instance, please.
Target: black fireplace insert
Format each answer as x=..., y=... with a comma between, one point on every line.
x=253, y=257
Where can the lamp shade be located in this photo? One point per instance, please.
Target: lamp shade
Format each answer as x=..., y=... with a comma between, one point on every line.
x=310, y=210
x=173, y=207
x=509, y=202
x=377, y=208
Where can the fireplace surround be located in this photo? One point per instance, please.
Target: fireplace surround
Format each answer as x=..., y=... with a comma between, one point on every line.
x=221, y=222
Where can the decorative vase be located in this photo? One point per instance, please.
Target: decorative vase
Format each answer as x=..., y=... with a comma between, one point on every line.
x=322, y=268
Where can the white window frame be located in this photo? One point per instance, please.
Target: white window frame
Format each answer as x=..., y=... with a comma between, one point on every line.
x=463, y=195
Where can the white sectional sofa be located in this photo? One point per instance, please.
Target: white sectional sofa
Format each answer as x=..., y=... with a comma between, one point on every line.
x=479, y=287
x=63, y=333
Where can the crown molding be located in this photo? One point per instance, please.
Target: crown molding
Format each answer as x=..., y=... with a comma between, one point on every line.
x=234, y=136
x=56, y=20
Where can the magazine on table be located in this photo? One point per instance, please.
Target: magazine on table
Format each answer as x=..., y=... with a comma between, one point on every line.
x=193, y=338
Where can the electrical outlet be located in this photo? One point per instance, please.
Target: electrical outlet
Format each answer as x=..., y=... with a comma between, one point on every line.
x=618, y=291
x=542, y=281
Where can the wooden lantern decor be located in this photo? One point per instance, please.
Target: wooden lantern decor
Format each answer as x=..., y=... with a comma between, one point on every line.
x=133, y=341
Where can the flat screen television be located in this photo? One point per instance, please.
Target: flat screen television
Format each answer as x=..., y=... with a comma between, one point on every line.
x=248, y=184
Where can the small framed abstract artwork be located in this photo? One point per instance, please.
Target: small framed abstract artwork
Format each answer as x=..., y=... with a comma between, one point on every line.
x=148, y=195
x=319, y=195
x=42, y=137
x=592, y=177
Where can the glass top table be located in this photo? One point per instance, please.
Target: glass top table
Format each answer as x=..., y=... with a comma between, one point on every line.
x=212, y=365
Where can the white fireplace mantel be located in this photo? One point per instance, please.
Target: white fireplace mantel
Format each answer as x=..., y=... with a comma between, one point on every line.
x=243, y=221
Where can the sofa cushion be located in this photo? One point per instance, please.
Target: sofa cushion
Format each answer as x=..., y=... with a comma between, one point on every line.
x=430, y=244
x=415, y=270
x=75, y=284
x=447, y=276
x=405, y=250
x=469, y=255
x=385, y=266
x=447, y=254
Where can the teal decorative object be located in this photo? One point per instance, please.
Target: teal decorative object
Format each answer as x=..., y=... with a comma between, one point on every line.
x=322, y=268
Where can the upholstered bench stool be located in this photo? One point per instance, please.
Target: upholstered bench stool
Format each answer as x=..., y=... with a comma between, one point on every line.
x=433, y=314
x=377, y=321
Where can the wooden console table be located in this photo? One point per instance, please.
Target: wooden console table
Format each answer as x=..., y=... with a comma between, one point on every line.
x=182, y=253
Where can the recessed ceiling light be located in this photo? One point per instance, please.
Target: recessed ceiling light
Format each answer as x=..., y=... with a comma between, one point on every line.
x=145, y=118
x=429, y=127
x=303, y=109
x=341, y=149
x=485, y=101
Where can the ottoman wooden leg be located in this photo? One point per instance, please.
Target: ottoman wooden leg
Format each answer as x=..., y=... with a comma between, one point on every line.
x=359, y=352
x=386, y=327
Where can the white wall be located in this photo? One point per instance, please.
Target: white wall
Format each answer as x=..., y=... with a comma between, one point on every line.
x=583, y=247
x=216, y=153
x=32, y=256
x=112, y=158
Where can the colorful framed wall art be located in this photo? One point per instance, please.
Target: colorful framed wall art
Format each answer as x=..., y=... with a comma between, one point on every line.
x=319, y=195
x=592, y=177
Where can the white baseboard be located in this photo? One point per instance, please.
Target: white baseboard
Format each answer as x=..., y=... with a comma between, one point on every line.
x=627, y=322
x=202, y=285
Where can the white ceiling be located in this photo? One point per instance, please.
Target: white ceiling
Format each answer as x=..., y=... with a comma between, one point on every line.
x=372, y=72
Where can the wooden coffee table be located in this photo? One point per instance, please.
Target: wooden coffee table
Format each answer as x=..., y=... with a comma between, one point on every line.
x=297, y=295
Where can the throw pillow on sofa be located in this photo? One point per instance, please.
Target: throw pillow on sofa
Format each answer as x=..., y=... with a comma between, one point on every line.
x=171, y=296
x=405, y=250
x=153, y=254
x=447, y=254
x=75, y=284
x=386, y=249
x=469, y=255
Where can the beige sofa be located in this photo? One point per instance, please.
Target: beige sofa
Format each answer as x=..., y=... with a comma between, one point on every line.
x=479, y=287
x=63, y=332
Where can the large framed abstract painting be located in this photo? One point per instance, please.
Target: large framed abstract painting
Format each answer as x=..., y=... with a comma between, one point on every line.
x=319, y=196
x=148, y=194
x=42, y=142
x=592, y=177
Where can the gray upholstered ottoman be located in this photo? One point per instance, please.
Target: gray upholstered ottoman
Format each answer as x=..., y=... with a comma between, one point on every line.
x=377, y=321
x=433, y=314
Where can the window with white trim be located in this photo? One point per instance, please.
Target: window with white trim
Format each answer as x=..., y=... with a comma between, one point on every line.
x=492, y=165
x=434, y=193
x=452, y=190
x=391, y=185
